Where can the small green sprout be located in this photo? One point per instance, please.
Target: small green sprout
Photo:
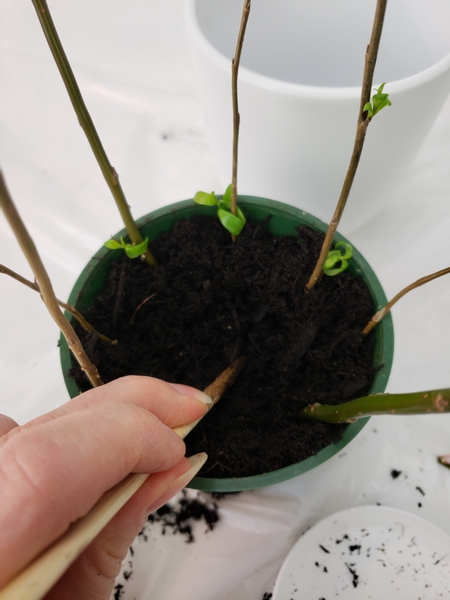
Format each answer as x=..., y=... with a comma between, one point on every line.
x=335, y=257
x=379, y=101
x=233, y=223
x=131, y=250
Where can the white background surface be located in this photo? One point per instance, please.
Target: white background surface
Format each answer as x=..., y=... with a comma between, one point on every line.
x=134, y=69
x=390, y=552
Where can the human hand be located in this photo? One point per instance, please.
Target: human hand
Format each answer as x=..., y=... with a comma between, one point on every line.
x=55, y=468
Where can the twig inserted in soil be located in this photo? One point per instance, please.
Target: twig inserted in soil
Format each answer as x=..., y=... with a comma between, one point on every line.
x=45, y=287
x=68, y=307
x=383, y=312
x=84, y=118
x=216, y=390
x=361, y=129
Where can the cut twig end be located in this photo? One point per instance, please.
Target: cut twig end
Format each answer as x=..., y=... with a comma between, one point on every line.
x=215, y=391
x=444, y=460
x=226, y=379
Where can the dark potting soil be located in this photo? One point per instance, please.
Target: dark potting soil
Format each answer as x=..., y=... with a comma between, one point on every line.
x=178, y=517
x=210, y=301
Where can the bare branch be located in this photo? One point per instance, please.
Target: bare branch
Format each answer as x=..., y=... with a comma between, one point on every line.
x=68, y=307
x=44, y=283
x=234, y=92
x=383, y=311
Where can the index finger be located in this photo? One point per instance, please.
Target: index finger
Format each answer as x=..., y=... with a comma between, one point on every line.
x=173, y=404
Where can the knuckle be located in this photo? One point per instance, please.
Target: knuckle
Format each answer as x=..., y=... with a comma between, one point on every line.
x=18, y=468
x=106, y=560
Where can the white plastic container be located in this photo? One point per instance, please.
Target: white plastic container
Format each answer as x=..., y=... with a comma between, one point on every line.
x=299, y=91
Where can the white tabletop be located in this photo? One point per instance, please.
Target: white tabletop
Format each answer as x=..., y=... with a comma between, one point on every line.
x=134, y=68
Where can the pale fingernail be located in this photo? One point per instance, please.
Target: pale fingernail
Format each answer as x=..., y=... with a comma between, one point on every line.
x=197, y=461
x=187, y=390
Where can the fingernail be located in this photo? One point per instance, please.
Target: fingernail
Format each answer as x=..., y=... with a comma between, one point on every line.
x=197, y=461
x=187, y=390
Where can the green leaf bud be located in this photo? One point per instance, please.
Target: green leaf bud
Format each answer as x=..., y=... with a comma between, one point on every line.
x=136, y=250
x=205, y=198
x=114, y=244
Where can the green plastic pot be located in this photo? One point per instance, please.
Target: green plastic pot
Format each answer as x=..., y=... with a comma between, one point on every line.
x=284, y=220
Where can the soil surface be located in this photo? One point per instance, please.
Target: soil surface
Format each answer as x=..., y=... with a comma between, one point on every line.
x=211, y=301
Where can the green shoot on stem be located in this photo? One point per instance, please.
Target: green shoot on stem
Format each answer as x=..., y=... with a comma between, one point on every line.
x=234, y=223
x=230, y=215
x=379, y=101
x=131, y=250
x=336, y=257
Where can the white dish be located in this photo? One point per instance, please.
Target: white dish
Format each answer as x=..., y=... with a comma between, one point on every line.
x=368, y=553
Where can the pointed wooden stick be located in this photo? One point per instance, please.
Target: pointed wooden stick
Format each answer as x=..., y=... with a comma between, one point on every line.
x=40, y=576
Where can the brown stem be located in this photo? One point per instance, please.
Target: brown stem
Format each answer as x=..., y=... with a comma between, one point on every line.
x=234, y=92
x=361, y=129
x=383, y=311
x=44, y=283
x=68, y=307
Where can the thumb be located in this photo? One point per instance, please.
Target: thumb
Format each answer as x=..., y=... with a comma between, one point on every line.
x=6, y=424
